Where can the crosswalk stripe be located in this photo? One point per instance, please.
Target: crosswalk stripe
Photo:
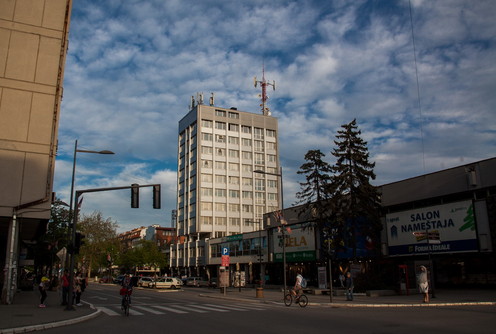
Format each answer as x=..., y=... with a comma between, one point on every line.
x=189, y=308
x=132, y=311
x=170, y=309
x=148, y=309
x=228, y=307
x=209, y=308
x=251, y=307
x=107, y=311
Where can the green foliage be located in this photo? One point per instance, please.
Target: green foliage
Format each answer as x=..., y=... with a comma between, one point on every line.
x=145, y=254
x=101, y=240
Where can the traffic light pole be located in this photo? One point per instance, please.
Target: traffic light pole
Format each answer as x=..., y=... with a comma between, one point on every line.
x=156, y=195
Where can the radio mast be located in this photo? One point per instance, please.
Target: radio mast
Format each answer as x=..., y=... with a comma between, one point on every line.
x=263, y=96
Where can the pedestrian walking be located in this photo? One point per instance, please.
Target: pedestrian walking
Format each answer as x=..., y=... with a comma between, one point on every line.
x=43, y=287
x=65, y=287
x=423, y=283
x=348, y=283
x=77, y=289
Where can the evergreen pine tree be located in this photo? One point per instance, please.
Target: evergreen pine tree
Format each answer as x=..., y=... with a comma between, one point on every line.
x=354, y=201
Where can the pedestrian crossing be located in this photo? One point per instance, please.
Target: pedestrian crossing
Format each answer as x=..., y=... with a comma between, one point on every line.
x=143, y=309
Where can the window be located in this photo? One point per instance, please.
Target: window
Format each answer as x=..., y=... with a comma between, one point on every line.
x=233, y=154
x=206, y=163
x=233, y=207
x=206, y=192
x=259, y=146
x=247, y=195
x=271, y=183
x=220, y=125
x=220, y=138
x=271, y=133
x=220, y=207
x=245, y=129
x=259, y=198
x=219, y=192
x=206, y=206
x=220, y=113
x=246, y=142
x=247, y=168
x=270, y=145
x=259, y=184
x=221, y=152
x=206, y=220
x=220, y=165
x=272, y=196
x=233, y=127
x=206, y=123
x=233, y=140
x=247, y=181
x=246, y=155
x=234, y=193
x=206, y=136
x=220, y=179
x=233, y=115
x=233, y=167
x=258, y=133
x=259, y=158
x=233, y=180
x=247, y=208
x=206, y=149
x=220, y=221
x=272, y=170
x=234, y=221
x=271, y=158
x=206, y=178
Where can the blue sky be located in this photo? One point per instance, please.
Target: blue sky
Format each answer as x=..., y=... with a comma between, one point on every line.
x=133, y=66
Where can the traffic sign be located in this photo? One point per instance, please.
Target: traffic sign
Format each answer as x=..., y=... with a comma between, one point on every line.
x=225, y=251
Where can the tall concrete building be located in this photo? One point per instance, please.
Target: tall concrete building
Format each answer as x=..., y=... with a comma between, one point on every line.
x=228, y=177
x=33, y=47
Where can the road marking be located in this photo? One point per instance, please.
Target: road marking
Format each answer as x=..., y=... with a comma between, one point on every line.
x=170, y=309
x=228, y=307
x=188, y=308
x=209, y=308
x=148, y=309
x=134, y=312
x=107, y=311
x=251, y=307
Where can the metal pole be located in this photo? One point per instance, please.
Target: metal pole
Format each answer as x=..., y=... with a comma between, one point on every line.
x=71, y=202
x=70, y=305
x=283, y=234
x=330, y=269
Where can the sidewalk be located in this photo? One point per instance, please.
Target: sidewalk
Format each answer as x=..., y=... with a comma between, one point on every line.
x=442, y=298
x=25, y=316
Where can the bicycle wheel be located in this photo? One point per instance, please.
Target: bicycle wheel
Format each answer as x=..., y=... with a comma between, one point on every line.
x=288, y=299
x=303, y=301
x=125, y=305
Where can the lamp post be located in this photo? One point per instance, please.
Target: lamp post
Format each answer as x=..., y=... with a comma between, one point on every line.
x=73, y=214
x=282, y=229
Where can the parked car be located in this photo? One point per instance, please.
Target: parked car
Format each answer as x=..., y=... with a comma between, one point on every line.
x=213, y=282
x=119, y=279
x=196, y=281
x=106, y=279
x=143, y=281
x=166, y=283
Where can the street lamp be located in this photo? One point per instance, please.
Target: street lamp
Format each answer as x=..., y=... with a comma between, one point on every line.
x=282, y=229
x=73, y=215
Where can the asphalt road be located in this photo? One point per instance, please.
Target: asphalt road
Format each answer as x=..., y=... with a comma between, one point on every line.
x=163, y=311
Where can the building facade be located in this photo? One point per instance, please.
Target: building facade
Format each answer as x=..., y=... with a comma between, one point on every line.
x=228, y=177
x=33, y=47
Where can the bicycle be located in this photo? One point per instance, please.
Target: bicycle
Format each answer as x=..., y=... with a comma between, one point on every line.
x=301, y=300
x=126, y=301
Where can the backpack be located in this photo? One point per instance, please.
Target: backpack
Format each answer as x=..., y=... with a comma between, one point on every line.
x=303, y=283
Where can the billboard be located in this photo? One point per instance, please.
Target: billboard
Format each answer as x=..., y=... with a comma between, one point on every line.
x=446, y=228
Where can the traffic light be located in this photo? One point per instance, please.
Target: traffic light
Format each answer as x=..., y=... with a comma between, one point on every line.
x=156, y=196
x=135, y=195
x=78, y=242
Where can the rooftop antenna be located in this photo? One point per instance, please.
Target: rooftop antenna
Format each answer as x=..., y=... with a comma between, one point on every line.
x=263, y=96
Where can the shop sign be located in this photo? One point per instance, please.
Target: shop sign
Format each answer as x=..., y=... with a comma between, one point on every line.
x=446, y=228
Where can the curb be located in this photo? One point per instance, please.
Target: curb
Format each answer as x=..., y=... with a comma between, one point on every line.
x=351, y=305
x=40, y=327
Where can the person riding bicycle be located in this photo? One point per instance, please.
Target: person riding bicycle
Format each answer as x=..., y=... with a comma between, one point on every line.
x=297, y=287
x=127, y=288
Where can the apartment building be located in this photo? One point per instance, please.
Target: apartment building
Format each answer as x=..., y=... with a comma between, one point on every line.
x=228, y=177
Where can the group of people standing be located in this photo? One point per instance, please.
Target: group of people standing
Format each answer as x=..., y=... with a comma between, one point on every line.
x=79, y=285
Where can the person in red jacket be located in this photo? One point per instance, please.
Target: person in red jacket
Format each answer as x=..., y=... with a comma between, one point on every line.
x=65, y=287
